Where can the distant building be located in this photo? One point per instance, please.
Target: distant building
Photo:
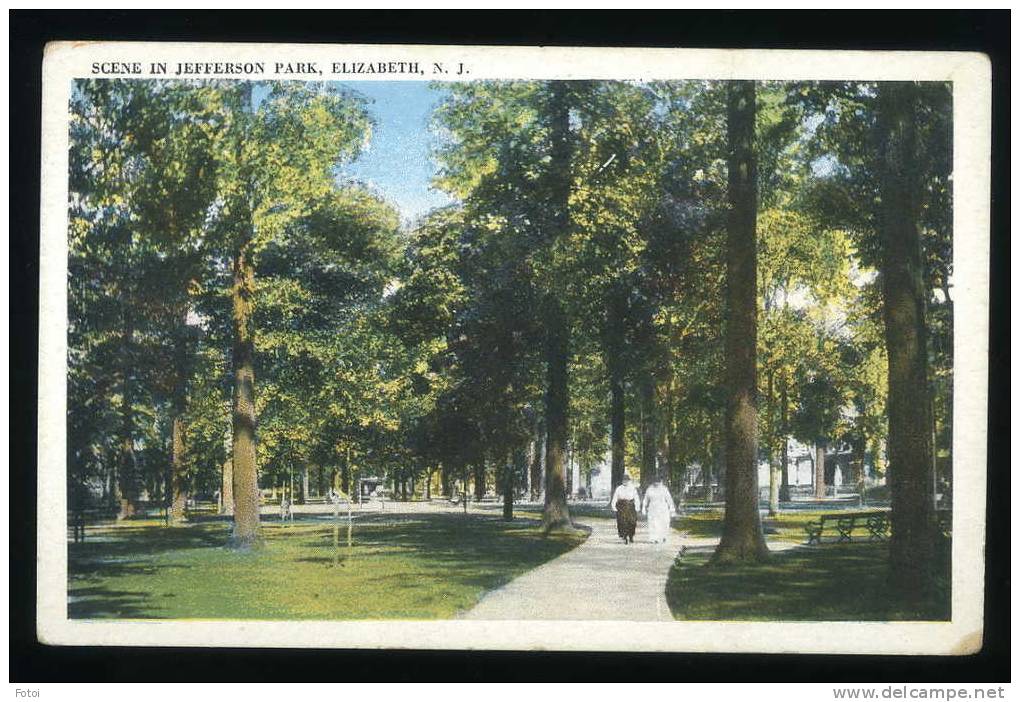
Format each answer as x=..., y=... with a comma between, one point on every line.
x=602, y=479
x=800, y=474
x=838, y=469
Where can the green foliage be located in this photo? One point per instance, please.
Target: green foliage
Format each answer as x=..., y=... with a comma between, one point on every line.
x=394, y=351
x=168, y=178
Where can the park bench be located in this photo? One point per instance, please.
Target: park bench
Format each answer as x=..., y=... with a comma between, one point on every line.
x=79, y=518
x=877, y=523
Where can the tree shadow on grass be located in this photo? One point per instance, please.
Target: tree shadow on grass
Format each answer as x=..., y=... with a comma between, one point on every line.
x=426, y=556
x=100, y=602
x=128, y=551
x=114, y=568
x=838, y=582
x=479, y=551
x=125, y=541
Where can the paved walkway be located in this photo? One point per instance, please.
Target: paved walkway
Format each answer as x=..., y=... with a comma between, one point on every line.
x=602, y=579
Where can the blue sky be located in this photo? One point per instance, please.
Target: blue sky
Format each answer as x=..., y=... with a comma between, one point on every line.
x=398, y=162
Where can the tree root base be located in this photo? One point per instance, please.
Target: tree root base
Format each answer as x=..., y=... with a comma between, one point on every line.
x=739, y=554
x=245, y=543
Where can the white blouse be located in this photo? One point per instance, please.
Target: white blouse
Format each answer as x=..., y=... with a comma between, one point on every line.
x=625, y=491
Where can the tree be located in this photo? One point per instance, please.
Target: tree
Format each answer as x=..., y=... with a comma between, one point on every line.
x=281, y=152
x=102, y=256
x=884, y=149
x=140, y=208
x=509, y=159
x=911, y=459
x=742, y=538
x=173, y=142
x=556, y=515
x=616, y=158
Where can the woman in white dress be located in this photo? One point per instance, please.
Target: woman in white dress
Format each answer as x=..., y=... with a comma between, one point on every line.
x=658, y=506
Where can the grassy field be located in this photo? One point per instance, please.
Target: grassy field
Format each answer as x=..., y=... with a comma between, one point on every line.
x=401, y=567
x=707, y=523
x=786, y=526
x=833, y=582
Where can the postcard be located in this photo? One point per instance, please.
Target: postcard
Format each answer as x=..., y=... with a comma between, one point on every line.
x=519, y=348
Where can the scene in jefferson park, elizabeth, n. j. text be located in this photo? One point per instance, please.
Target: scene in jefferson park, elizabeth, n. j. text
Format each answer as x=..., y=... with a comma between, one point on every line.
x=667, y=351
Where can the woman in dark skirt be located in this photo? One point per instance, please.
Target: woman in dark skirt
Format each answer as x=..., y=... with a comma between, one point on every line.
x=624, y=503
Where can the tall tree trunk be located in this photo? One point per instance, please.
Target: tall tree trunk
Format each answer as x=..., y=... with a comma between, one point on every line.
x=556, y=515
x=819, y=469
x=303, y=498
x=320, y=481
x=124, y=491
x=859, y=477
x=508, y=488
x=126, y=483
x=245, y=470
x=618, y=428
x=784, y=410
x=911, y=464
x=227, y=488
x=706, y=478
x=568, y=486
x=774, y=479
x=178, y=484
x=536, y=464
x=742, y=537
x=648, y=430
x=444, y=481
x=557, y=326
x=665, y=470
x=479, y=479
x=771, y=449
x=617, y=407
x=677, y=472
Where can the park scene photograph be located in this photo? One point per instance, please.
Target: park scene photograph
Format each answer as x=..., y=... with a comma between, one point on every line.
x=590, y=350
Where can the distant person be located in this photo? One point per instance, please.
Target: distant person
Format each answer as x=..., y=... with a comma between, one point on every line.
x=659, y=507
x=625, y=504
x=285, y=512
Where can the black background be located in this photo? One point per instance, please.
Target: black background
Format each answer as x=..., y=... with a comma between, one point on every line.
x=984, y=31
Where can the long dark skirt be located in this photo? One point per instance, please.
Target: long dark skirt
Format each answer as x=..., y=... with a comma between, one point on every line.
x=626, y=518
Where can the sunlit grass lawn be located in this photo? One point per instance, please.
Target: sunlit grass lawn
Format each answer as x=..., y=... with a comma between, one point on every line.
x=785, y=526
x=401, y=567
x=832, y=582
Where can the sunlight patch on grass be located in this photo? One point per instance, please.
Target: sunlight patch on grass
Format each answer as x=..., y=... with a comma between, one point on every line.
x=425, y=568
